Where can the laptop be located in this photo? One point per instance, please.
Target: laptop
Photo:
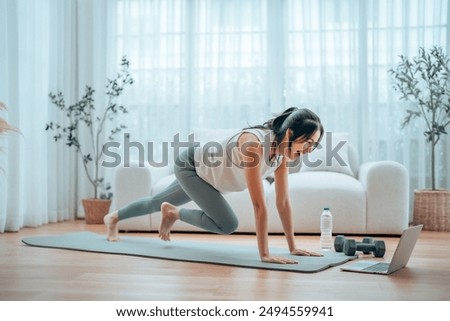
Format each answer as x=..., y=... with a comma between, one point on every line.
x=399, y=260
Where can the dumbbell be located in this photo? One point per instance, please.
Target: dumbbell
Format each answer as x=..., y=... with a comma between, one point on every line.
x=340, y=240
x=368, y=245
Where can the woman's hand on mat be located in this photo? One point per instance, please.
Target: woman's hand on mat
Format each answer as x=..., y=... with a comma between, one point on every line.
x=304, y=253
x=278, y=260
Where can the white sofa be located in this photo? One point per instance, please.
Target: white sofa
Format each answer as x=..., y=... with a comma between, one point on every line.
x=371, y=198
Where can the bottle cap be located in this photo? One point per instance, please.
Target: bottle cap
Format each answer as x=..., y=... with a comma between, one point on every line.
x=326, y=208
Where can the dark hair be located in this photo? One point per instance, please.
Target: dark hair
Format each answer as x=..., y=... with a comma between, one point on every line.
x=302, y=122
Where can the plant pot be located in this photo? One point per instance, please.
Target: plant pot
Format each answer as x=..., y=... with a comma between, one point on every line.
x=432, y=209
x=95, y=209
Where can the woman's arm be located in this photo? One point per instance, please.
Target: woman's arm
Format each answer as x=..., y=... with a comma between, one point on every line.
x=283, y=203
x=252, y=155
x=284, y=208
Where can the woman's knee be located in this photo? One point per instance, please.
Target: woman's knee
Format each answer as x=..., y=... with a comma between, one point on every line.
x=230, y=227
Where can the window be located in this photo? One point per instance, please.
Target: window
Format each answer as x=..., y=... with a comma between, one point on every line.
x=228, y=64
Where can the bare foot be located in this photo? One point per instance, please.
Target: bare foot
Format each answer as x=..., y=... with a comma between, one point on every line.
x=111, y=221
x=170, y=214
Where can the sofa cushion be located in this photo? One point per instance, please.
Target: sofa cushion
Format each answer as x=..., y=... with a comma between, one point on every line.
x=310, y=192
x=331, y=155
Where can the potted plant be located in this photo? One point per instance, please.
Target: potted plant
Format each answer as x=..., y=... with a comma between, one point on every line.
x=423, y=82
x=85, y=116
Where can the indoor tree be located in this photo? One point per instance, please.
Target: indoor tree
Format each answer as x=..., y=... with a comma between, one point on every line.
x=423, y=81
x=84, y=116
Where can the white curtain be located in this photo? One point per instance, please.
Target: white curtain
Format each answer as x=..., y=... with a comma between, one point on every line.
x=47, y=46
x=338, y=56
x=33, y=167
x=224, y=64
x=196, y=64
x=204, y=63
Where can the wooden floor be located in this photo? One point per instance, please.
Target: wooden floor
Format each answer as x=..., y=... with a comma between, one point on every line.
x=30, y=273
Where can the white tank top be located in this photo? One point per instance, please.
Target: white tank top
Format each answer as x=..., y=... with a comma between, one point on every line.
x=220, y=163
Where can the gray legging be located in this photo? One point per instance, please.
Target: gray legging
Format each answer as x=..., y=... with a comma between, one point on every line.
x=215, y=215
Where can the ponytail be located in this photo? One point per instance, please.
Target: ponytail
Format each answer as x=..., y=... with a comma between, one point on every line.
x=276, y=124
x=303, y=122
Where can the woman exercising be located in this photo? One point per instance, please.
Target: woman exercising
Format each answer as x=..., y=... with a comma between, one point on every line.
x=241, y=161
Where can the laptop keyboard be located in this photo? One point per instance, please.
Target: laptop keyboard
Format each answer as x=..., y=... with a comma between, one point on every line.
x=379, y=267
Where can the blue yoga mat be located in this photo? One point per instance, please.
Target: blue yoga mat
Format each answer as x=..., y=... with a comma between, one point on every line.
x=191, y=251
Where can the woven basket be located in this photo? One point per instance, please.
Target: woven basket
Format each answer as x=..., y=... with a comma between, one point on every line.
x=432, y=209
x=95, y=209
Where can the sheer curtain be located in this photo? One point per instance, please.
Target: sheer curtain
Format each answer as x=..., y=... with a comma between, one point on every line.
x=225, y=64
x=47, y=46
x=338, y=54
x=196, y=64
x=32, y=167
x=205, y=63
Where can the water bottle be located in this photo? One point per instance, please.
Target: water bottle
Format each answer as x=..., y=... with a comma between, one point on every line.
x=326, y=228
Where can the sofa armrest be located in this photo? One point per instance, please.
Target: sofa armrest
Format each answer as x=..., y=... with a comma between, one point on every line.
x=387, y=188
x=136, y=181
x=130, y=183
